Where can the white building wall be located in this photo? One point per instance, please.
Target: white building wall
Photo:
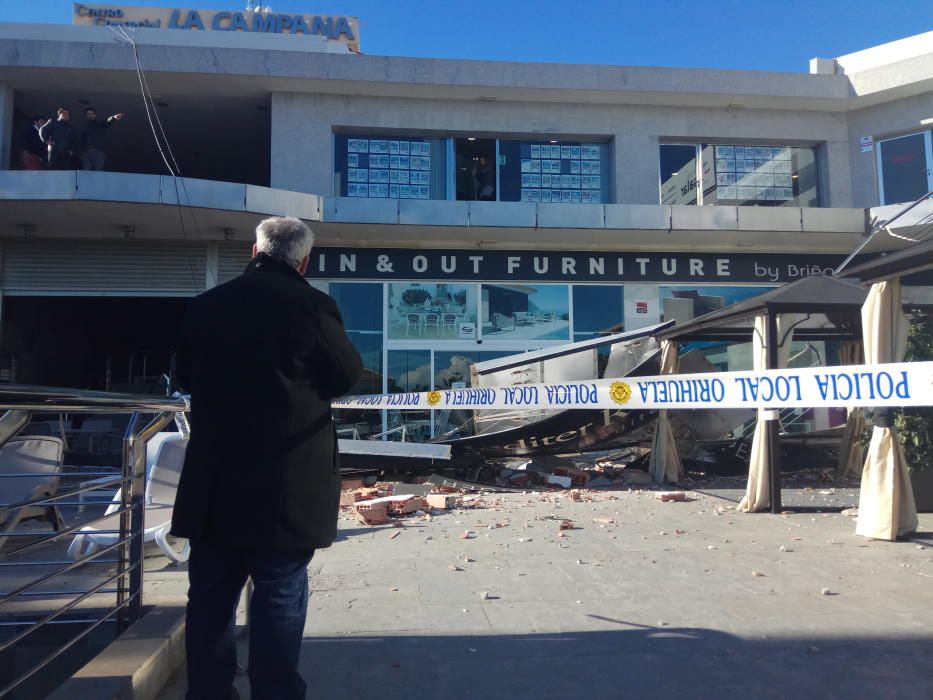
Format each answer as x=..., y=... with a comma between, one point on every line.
x=895, y=118
x=303, y=124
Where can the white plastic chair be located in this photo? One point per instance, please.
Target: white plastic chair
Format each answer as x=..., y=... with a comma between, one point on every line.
x=39, y=457
x=165, y=456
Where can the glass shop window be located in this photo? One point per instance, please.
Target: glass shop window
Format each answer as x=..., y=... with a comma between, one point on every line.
x=525, y=312
x=598, y=310
x=360, y=306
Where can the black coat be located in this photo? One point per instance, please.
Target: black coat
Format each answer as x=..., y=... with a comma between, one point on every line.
x=262, y=356
x=61, y=134
x=32, y=142
x=94, y=136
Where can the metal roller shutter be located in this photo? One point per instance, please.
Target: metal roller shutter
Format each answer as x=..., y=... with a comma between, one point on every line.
x=127, y=267
x=232, y=259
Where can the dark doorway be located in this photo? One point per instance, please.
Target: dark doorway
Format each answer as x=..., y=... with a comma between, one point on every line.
x=476, y=168
x=103, y=343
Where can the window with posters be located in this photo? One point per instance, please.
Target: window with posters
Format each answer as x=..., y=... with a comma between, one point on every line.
x=554, y=171
x=739, y=174
x=392, y=167
x=465, y=167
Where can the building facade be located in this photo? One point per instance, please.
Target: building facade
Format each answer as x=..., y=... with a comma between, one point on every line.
x=463, y=210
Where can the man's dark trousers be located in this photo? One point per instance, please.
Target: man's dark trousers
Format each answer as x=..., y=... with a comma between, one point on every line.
x=277, y=616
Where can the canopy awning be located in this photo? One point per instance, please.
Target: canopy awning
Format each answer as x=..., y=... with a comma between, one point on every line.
x=839, y=300
x=914, y=259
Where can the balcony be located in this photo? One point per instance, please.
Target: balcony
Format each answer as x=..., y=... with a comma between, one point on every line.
x=102, y=204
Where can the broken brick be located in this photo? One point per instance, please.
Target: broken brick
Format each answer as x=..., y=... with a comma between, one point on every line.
x=671, y=496
x=349, y=498
x=372, y=513
x=578, y=477
x=441, y=501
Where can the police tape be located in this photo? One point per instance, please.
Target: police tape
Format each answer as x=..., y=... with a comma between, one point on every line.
x=896, y=384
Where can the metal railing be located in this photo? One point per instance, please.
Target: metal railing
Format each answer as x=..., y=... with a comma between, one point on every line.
x=878, y=226
x=126, y=552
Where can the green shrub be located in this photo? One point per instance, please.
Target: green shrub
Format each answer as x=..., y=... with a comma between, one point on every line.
x=914, y=426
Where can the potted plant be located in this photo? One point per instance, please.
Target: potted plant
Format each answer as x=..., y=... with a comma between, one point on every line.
x=415, y=297
x=914, y=426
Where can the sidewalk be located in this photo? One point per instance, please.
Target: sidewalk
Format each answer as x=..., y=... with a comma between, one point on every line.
x=643, y=599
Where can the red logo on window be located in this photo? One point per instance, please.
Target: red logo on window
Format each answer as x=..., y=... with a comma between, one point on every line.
x=904, y=158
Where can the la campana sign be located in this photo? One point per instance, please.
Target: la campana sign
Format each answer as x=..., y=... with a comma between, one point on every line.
x=333, y=27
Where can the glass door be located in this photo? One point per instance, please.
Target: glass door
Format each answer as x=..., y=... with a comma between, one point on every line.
x=904, y=168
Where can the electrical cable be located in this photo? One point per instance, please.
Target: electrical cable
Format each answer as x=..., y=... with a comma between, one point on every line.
x=150, y=107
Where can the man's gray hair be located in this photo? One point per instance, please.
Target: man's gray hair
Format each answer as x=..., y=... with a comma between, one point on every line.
x=284, y=238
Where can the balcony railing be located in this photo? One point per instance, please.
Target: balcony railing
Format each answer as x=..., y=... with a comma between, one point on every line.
x=147, y=416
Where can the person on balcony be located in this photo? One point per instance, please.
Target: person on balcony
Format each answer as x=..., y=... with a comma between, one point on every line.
x=484, y=175
x=94, y=139
x=262, y=356
x=60, y=139
x=33, y=155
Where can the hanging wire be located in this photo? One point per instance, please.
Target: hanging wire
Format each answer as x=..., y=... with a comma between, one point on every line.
x=149, y=104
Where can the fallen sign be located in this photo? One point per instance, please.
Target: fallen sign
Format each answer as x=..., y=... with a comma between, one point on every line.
x=895, y=384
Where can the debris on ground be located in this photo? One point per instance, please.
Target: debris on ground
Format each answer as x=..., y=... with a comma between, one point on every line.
x=441, y=501
x=672, y=496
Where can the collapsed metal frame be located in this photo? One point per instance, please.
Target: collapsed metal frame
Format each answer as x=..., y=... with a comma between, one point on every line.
x=18, y=404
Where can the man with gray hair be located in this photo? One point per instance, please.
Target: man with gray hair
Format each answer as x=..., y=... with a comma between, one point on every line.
x=262, y=356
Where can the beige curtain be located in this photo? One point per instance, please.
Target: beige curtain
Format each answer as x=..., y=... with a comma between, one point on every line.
x=851, y=451
x=665, y=464
x=758, y=490
x=886, y=508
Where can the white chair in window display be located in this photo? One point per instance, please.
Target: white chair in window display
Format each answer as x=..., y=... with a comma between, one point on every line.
x=432, y=320
x=414, y=322
x=501, y=322
x=523, y=318
x=450, y=321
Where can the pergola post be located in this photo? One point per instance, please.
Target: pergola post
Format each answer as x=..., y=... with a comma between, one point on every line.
x=774, y=424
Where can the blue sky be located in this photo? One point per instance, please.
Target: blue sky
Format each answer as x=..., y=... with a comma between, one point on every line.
x=739, y=34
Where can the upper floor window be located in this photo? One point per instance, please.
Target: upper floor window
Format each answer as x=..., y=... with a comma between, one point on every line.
x=471, y=169
x=569, y=172
x=905, y=168
x=394, y=167
x=746, y=175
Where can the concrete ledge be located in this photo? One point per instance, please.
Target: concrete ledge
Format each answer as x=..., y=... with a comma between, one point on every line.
x=138, y=665
x=118, y=187
x=689, y=218
x=769, y=218
x=590, y=216
x=266, y=200
x=38, y=184
x=207, y=194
